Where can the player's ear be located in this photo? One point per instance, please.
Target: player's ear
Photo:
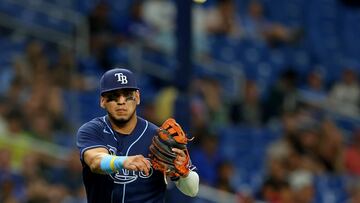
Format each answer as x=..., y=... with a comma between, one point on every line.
x=137, y=96
x=102, y=102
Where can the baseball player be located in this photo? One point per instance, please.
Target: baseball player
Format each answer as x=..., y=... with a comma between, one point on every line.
x=114, y=148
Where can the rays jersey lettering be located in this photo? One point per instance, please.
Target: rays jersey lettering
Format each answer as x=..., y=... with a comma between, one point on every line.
x=125, y=176
x=121, y=78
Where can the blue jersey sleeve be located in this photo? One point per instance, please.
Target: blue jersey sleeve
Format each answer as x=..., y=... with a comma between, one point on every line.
x=90, y=136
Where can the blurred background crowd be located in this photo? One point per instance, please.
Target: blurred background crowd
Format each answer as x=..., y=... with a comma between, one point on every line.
x=273, y=97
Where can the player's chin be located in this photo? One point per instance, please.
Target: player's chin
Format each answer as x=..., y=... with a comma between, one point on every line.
x=121, y=121
x=120, y=115
x=122, y=118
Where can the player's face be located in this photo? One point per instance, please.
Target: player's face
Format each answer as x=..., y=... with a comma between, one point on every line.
x=121, y=104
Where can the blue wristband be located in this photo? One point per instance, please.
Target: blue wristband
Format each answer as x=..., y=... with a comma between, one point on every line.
x=110, y=163
x=119, y=162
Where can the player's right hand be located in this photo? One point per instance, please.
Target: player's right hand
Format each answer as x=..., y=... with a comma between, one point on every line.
x=137, y=163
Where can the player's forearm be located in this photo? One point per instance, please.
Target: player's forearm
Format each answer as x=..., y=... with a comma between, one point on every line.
x=189, y=185
x=93, y=161
x=104, y=163
x=110, y=163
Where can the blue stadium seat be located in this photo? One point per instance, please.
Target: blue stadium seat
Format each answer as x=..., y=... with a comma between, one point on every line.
x=330, y=189
x=89, y=66
x=223, y=49
x=119, y=55
x=85, y=7
x=10, y=9
x=246, y=148
x=147, y=88
x=160, y=59
x=290, y=13
x=54, y=23
x=78, y=105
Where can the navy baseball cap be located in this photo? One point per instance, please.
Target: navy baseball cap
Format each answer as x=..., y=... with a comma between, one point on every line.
x=117, y=78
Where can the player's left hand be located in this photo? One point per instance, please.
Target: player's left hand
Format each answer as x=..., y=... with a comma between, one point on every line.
x=169, y=153
x=181, y=157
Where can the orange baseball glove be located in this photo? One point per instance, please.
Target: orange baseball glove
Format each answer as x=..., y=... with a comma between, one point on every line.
x=170, y=135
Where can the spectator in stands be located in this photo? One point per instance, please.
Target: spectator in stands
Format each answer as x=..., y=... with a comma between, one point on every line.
x=225, y=175
x=248, y=110
x=41, y=126
x=44, y=105
x=148, y=111
x=199, y=115
x=138, y=28
x=210, y=91
x=33, y=54
x=31, y=168
x=66, y=76
x=37, y=176
x=41, y=191
x=201, y=45
x=279, y=151
x=99, y=21
x=15, y=122
x=352, y=155
x=297, y=149
x=256, y=26
x=331, y=148
x=313, y=92
x=254, y=21
x=165, y=103
x=283, y=95
x=101, y=32
x=21, y=69
x=11, y=184
x=3, y=111
x=7, y=74
x=302, y=186
x=198, y=108
x=354, y=191
x=7, y=192
x=278, y=163
x=15, y=137
x=17, y=93
x=159, y=15
x=71, y=176
x=344, y=96
x=275, y=191
x=305, y=151
x=222, y=20
x=307, y=140
x=206, y=157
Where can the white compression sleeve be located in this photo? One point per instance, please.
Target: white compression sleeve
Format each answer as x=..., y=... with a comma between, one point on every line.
x=189, y=185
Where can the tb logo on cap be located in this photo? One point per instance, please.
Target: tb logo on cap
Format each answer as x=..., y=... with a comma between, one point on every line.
x=121, y=78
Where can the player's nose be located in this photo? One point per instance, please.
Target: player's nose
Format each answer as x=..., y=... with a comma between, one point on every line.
x=121, y=99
